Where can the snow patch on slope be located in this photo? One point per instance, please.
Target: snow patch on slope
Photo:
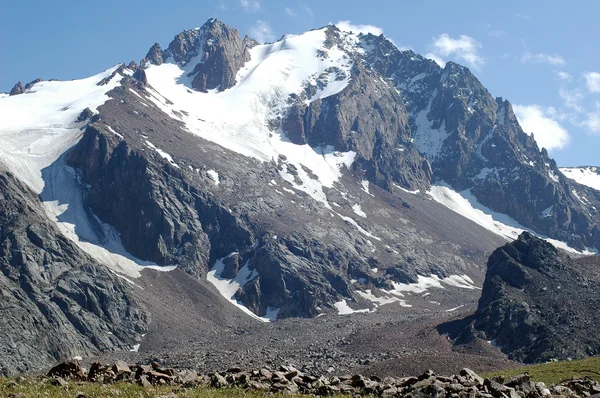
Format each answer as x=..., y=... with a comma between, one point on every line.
x=214, y=176
x=588, y=176
x=36, y=129
x=465, y=204
x=344, y=309
x=238, y=118
x=162, y=153
x=429, y=140
x=229, y=287
x=359, y=211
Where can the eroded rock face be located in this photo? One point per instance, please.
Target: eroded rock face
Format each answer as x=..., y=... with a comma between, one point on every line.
x=368, y=117
x=537, y=303
x=57, y=303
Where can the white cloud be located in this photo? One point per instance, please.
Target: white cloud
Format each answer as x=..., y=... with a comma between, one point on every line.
x=541, y=58
x=592, y=81
x=437, y=59
x=495, y=33
x=563, y=75
x=348, y=26
x=523, y=16
x=300, y=12
x=464, y=48
x=537, y=120
x=250, y=5
x=571, y=98
x=261, y=31
x=592, y=122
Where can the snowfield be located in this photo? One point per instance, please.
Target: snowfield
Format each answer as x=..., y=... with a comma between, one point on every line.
x=465, y=204
x=589, y=176
x=263, y=86
x=36, y=129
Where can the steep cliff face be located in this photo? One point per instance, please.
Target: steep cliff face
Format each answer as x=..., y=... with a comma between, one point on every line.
x=160, y=217
x=368, y=116
x=57, y=302
x=537, y=304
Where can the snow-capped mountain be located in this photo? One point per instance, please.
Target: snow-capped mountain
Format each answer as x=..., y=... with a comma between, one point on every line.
x=328, y=172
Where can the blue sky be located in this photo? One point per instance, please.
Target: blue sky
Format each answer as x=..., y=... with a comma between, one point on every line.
x=541, y=55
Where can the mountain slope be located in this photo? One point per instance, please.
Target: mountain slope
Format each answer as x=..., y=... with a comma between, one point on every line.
x=296, y=176
x=475, y=145
x=57, y=302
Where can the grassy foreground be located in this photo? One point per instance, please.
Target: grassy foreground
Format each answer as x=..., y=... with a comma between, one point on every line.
x=42, y=387
x=555, y=372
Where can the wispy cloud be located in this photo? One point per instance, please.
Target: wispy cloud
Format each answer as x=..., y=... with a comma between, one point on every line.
x=261, y=31
x=250, y=5
x=540, y=121
x=523, y=16
x=541, y=58
x=348, y=26
x=495, y=33
x=571, y=98
x=592, y=81
x=592, y=122
x=301, y=11
x=563, y=75
x=464, y=48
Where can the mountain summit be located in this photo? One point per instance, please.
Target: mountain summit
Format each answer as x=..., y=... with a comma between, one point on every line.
x=326, y=173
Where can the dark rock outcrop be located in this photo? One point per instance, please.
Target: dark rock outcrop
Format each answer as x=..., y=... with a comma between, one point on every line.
x=367, y=117
x=155, y=55
x=57, y=302
x=17, y=89
x=537, y=303
x=212, y=54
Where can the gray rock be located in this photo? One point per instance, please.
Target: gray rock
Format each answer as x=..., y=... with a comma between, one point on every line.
x=57, y=302
x=524, y=318
x=17, y=89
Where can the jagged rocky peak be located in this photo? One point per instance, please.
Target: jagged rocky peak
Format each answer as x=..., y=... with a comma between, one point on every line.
x=20, y=89
x=155, y=55
x=17, y=89
x=212, y=54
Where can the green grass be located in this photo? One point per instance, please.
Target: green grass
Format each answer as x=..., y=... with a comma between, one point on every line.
x=554, y=372
x=42, y=387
